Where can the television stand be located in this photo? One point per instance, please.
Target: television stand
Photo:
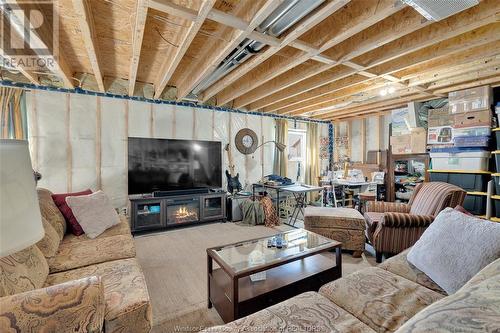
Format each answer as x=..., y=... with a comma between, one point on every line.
x=156, y=213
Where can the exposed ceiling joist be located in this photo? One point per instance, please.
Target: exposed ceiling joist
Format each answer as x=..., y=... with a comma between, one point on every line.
x=404, y=46
x=141, y=14
x=41, y=38
x=350, y=16
x=457, y=82
x=170, y=63
x=86, y=21
x=289, y=39
x=209, y=64
x=10, y=56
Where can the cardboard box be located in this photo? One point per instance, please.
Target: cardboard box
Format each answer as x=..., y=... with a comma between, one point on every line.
x=413, y=143
x=469, y=100
x=440, y=117
x=440, y=135
x=472, y=119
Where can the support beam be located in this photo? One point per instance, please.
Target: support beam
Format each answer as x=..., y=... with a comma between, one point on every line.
x=40, y=39
x=289, y=39
x=172, y=61
x=141, y=13
x=208, y=64
x=83, y=11
x=350, y=20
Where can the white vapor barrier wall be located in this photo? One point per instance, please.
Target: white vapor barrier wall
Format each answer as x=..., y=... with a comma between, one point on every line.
x=79, y=141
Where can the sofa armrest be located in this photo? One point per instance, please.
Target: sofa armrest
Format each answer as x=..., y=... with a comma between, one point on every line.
x=402, y=220
x=74, y=306
x=383, y=207
x=398, y=231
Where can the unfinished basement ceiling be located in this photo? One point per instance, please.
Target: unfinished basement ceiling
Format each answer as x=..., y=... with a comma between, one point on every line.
x=324, y=59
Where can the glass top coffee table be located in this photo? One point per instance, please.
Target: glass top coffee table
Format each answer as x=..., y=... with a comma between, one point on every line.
x=253, y=274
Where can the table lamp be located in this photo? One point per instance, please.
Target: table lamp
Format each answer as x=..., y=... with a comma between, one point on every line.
x=20, y=219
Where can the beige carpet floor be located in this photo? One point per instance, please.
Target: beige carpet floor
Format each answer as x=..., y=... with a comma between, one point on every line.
x=174, y=264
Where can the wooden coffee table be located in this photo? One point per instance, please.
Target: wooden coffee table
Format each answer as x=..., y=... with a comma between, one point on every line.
x=305, y=264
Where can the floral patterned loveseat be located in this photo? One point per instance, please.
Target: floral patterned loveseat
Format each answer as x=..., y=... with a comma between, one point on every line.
x=68, y=283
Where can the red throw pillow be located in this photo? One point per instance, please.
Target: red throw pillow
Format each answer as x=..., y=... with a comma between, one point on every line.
x=60, y=201
x=463, y=210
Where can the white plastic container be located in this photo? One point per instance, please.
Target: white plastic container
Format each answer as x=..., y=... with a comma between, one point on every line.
x=471, y=161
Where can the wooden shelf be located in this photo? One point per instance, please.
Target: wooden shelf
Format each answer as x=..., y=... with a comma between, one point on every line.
x=461, y=171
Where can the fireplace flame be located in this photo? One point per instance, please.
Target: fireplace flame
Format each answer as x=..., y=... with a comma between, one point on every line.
x=184, y=213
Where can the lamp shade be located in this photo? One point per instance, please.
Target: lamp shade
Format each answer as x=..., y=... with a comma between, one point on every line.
x=20, y=219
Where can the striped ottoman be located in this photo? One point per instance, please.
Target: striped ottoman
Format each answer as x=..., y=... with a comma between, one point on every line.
x=345, y=225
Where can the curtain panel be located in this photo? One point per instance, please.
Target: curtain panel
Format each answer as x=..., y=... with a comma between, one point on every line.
x=13, y=114
x=312, y=158
x=281, y=158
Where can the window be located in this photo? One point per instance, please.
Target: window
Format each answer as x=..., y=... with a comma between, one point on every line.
x=297, y=154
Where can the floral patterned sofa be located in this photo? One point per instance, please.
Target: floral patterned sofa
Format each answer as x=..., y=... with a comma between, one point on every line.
x=68, y=283
x=392, y=297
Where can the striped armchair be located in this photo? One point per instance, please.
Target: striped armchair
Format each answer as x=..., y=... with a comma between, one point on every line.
x=393, y=227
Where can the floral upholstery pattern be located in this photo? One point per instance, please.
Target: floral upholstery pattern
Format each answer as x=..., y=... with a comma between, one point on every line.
x=472, y=309
x=93, y=251
x=345, y=225
x=382, y=300
x=123, y=228
x=49, y=210
x=126, y=296
x=22, y=271
x=399, y=265
x=50, y=242
x=75, y=306
x=307, y=312
x=490, y=270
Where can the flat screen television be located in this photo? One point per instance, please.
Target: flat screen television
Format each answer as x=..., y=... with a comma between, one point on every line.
x=173, y=165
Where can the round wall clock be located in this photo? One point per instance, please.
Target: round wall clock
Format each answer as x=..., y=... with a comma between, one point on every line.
x=246, y=141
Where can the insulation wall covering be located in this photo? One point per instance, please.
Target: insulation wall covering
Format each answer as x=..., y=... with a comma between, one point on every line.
x=80, y=141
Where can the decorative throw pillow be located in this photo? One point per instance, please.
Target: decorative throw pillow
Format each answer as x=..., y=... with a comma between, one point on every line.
x=455, y=247
x=94, y=212
x=60, y=201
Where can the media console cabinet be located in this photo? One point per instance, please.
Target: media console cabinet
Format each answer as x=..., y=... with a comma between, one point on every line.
x=153, y=213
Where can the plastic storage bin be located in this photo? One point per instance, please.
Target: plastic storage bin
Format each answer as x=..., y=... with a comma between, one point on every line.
x=472, y=182
x=466, y=160
x=496, y=154
x=475, y=203
x=496, y=206
x=496, y=133
x=496, y=180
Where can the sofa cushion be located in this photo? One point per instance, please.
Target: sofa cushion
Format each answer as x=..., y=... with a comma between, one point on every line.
x=128, y=308
x=472, y=309
x=49, y=210
x=400, y=265
x=60, y=201
x=123, y=228
x=92, y=251
x=22, y=271
x=489, y=271
x=50, y=241
x=93, y=212
x=455, y=247
x=379, y=298
x=307, y=312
